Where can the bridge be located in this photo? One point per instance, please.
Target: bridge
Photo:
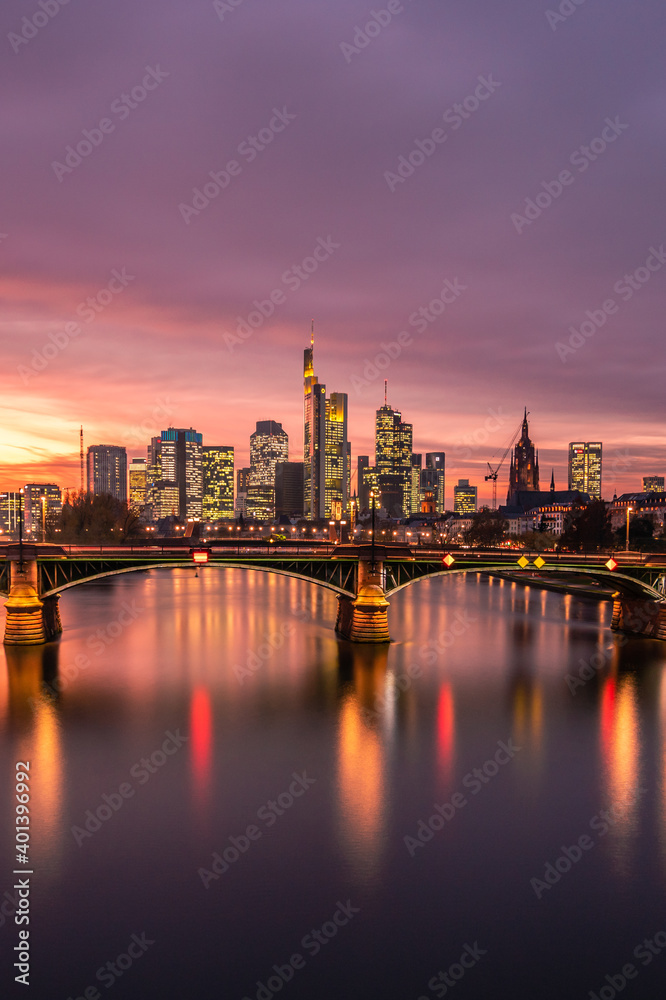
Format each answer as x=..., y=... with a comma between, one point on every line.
x=362, y=576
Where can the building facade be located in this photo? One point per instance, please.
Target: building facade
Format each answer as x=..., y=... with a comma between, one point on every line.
x=433, y=477
x=218, y=482
x=289, y=489
x=269, y=444
x=585, y=467
x=242, y=486
x=326, y=447
x=393, y=460
x=42, y=507
x=107, y=470
x=368, y=484
x=11, y=511
x=138, y=483
x=465, y=497
x=337, y=485
x=653, y=484
x=182, y=464
x=415, y=495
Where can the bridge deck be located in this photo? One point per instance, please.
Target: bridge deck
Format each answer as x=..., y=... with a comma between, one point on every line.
x=337, y=569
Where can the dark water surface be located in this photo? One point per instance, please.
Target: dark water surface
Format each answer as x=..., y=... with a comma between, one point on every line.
x=234, y=691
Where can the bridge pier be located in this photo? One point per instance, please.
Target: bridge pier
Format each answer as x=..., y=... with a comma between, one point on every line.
x=364, y=618
x=25, y=612
x=52, y=620
x=31, y=620
x=639, y=617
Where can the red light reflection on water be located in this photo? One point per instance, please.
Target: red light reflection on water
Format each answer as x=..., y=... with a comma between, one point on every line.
x=201, y=729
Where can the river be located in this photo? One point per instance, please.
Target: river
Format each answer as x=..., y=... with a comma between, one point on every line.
x=229, y=802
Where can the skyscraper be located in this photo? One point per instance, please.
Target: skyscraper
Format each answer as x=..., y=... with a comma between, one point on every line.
x=393, y=459
x=289, y=489
x=585, y=467
x=433, y=477
x=464, y=498
x=138, y=475
x=326, y=448
x=242, y=486
x=218, y=482
x=182, y=464
x=42, y=506
x=524, y=472
x=337, y=457
x=362, y=491
x=415, y=485
x=269, y=444
x=11, y=511
x=653, y=484
x=367, y=481
x=107, y=470
x=162, y=495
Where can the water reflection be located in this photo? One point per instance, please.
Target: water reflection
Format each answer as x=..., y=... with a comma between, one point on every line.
x=620, y=750
x=361, y=758
x=32, y=672
x=446, y=733
x=39, y=741
x=201, y=735
x=526, y=695
x=661, y=778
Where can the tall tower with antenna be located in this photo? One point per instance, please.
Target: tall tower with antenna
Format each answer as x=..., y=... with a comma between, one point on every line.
x=326, y=448
x=81, y=457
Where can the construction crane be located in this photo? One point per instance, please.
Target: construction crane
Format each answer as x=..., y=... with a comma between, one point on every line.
x=493, y=474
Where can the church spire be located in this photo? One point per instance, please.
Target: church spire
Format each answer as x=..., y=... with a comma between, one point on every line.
x=552, y=481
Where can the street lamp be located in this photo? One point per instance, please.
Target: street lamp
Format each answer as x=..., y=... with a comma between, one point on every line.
x=629, y=509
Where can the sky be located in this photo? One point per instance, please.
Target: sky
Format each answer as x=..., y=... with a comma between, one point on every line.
x=452, y=189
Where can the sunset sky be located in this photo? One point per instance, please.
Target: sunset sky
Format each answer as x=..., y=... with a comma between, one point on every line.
x=581, y=93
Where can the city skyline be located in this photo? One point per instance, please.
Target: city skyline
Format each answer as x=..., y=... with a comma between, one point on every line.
x=188, y=311
x=621, y=471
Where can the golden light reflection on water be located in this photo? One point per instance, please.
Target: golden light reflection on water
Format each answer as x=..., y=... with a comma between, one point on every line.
x=39, y=742
x=620, y=750
x=361, y=767
x=46, y=799
x=662, y=765
x=528, y=712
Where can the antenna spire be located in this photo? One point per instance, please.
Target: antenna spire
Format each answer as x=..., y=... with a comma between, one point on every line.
x=312, y=334
x=385, y=392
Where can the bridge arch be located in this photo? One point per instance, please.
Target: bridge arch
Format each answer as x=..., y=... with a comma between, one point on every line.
x=188, y=564
x=627, y=586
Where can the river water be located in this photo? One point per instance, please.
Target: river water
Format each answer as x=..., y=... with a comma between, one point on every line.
x=229, y=802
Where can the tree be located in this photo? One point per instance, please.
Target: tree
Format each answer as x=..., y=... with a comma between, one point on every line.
x=536, y=541
x=488, y=528
x=587, y=529
x=96, y=518
x=641, y=534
